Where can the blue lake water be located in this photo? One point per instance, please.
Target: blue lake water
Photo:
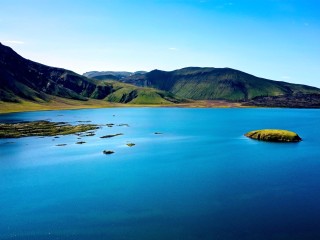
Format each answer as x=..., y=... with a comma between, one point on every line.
x=200, y=179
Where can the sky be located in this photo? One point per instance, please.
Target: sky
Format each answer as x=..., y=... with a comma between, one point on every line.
x=274, y=39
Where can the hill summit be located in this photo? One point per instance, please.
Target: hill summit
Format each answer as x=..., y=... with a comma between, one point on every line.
x=215, y=83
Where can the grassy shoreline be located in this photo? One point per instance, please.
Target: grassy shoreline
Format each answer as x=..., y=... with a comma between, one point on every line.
x=68, y=104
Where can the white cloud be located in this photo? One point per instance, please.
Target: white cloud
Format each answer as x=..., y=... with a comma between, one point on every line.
x=173, y=49
x=13, y=42
x=286, y=77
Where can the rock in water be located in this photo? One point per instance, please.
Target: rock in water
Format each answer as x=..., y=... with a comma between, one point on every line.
x=108, y=152
x=274, y=135
x=112, y=135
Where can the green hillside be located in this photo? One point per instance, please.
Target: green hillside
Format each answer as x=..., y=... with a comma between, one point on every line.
x=126, y=93
x=24, y=80
x=216, y=83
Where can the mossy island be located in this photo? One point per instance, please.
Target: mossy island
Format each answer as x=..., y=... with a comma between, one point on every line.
x=274, y=135
x=42, y=128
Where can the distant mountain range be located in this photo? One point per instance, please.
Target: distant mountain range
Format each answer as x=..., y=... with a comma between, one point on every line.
x=22, y=79
x=214, y=83
x=111, y=75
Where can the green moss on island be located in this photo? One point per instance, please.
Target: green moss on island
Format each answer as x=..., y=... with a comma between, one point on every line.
x=274, y=135
x=42, y=128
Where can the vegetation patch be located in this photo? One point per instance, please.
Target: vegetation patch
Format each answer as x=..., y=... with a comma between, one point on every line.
x=274, y=135
x=41, y=128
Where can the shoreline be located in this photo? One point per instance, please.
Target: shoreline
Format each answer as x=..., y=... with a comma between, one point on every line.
x=68, y=104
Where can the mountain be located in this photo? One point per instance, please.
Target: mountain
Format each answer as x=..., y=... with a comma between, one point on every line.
x=25, y=80
x=215, y=83
x=22, y=79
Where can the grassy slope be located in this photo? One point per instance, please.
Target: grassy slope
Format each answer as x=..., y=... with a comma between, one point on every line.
x=54, y=104
x=126, y=93
x=229, y=89
x=220, y=83
x=63, y=104
x=150, y=97
x=123, y=95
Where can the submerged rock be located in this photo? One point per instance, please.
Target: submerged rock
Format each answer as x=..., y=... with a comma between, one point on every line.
x=61, y=145
x=123, y=125
x=112, y=135
x=108, y=152
x=81, y=142
x=274, y=135
x=131, y=144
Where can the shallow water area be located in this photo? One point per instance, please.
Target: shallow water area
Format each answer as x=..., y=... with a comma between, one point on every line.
x=199, y=179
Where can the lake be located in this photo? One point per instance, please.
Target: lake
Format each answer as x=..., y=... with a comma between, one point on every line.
x=199, y=179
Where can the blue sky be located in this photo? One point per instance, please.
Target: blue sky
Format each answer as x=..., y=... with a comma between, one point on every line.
x=275, y=39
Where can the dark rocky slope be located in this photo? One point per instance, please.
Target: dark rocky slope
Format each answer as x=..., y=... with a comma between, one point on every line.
x=298, y=100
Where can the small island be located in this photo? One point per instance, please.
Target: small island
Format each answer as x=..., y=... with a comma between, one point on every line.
x=274, y=135
x=42, y=128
